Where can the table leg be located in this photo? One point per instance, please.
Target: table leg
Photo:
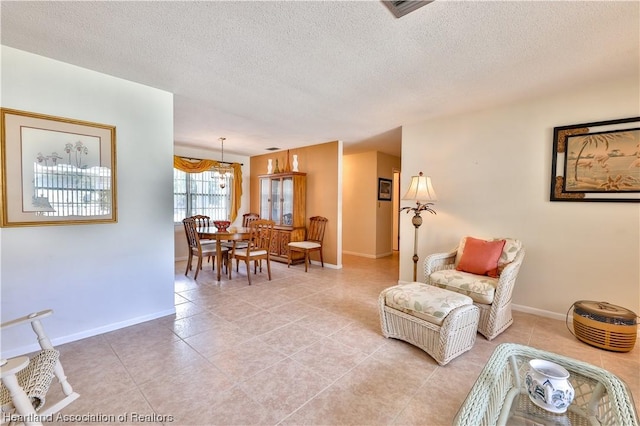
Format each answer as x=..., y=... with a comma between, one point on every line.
x=218, y=258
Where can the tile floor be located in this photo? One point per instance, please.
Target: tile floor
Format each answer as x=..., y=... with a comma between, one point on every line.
x=304, y=348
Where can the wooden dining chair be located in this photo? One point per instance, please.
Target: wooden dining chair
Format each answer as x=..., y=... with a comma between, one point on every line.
x=257, y=249
x=196, y=248
x=247, y=218
x=202, y=221
x=313, y=242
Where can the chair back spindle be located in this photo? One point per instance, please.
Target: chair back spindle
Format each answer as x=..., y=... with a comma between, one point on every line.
x=201, y=220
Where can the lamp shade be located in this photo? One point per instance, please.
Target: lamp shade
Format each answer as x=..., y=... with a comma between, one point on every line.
x=420, y=189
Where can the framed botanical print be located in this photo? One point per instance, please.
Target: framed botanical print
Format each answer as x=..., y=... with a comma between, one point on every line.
x=56, y=171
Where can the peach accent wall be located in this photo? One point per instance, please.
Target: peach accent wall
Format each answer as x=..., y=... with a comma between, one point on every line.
x=368, y=223
x=360, y=199
x=321, y=164
x=385, y=211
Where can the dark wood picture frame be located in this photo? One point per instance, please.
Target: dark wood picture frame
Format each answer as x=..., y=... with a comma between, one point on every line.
x=385, y=189
x=598, y=161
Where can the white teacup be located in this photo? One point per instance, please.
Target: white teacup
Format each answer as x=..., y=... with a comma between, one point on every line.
x=548, y=385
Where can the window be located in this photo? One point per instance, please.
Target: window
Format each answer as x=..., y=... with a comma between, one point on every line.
x=200, y=193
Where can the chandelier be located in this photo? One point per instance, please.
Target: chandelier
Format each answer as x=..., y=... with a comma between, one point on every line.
x=223, y=168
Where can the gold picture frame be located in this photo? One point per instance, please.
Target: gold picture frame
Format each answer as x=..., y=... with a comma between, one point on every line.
x=597, y=161
x=56, y=171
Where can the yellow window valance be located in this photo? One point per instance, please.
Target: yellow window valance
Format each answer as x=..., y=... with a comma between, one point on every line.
x=200, y=166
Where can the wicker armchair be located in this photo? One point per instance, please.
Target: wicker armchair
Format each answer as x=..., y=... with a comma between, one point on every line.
x=495, y=302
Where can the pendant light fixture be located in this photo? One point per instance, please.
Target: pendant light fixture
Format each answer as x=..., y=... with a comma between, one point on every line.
x=223, y=168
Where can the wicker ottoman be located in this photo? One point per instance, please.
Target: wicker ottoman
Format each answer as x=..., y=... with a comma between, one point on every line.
x=442, y=323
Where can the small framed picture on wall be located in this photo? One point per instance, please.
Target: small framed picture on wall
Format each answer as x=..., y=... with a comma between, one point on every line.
x=384, y=189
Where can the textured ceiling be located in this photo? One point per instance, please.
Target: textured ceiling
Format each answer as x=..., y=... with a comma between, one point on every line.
x=293, y=73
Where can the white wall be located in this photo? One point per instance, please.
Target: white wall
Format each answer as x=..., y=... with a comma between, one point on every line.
x=96, y=277
x=491, y=170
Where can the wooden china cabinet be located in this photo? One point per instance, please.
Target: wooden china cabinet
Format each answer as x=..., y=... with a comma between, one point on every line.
x=283, y=200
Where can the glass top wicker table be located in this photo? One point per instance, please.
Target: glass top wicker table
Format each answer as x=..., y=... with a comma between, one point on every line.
x=499, y=396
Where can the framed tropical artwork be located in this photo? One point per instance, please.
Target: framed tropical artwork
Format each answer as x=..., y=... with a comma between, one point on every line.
x=597, y=161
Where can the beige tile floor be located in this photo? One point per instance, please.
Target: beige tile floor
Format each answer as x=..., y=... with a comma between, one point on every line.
x=304, y=348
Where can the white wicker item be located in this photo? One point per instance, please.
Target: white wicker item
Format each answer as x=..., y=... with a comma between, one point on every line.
x=496, y=317
x=35, y=379
x=499, y=395
x=456, y=335
x=37, y=371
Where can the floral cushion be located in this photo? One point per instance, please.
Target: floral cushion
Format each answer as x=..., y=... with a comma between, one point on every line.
x=480, y=288
x=425, y=301
x=509, y=251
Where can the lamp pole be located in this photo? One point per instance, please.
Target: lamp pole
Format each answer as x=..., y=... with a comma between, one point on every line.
x=416, y=220
x=419, y=189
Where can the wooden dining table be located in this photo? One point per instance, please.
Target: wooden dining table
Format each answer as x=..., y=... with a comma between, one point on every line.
x=234, y=233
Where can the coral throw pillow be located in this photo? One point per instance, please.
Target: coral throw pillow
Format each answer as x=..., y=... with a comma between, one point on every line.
x=480, y=257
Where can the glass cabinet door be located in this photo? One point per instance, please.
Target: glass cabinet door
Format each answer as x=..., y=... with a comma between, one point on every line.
x=276, y=196
x=278, y=200
x=264, y=198
x=287, y=201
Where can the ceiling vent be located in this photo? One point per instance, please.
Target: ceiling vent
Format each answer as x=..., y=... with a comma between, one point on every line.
x=399, y=8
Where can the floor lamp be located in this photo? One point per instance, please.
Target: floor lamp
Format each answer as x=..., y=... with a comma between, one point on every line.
x=421, y=191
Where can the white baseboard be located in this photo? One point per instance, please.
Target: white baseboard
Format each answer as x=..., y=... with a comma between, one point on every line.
x=368, y=256
x=378, y=256
x=88, y=333
x=353, y=253
x=540, y=312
